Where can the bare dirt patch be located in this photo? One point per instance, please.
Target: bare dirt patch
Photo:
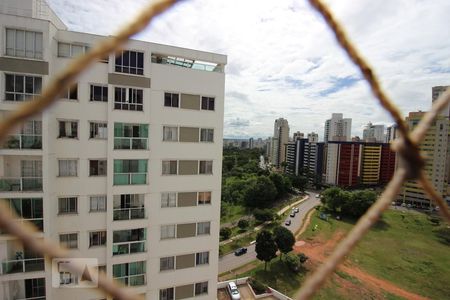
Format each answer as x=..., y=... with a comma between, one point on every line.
x=318, y=251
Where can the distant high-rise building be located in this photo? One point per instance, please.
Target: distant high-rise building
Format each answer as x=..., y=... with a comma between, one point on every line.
x=435, y=150
x=436, y=91
x=279, y=140
x=313, y=137
x=294, y=156
x=298, y=135
x=391, y=133
x=373, y=133
x=337, y=128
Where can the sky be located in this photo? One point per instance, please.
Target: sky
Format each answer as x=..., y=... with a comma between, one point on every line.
x=284, y=62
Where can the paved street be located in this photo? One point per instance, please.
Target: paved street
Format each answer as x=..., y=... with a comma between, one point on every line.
x=230, y=261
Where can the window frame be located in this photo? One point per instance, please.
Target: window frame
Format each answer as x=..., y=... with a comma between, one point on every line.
x=25, y=94
x=169, y=200
x=171, y=163
x=101, y=238
x=103, y=97
x=170, y=128
x=122, y=68
x=95, y=126
x=37, y=55
x=170, y=264
x=171, y=94
x=168, y=237
x=168, y=295
x=91, y=198
x=129, y=92
x=71, y=208
x=208, y=101
x=207, y=140
x=200, y=258
x=204, y=202
x=67, y=244
x=104, y=168
x=84, y=47
x=201, y=231
x=71, y=93
x=67, y=160
x=199, y=288
x=208, y=170
x=66, y=135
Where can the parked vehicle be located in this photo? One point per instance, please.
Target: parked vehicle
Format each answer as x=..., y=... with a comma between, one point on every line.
x=292, y=214
x=287, y=222
x=240, y=251
x=233, y=290
x=318, y=196
x=296, y=209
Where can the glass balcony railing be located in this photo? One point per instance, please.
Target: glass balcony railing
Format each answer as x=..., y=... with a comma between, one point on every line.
x=21, y=184
x=21, y=141
x=23, y=265
x=132, y=280
x=128, y=247
x=130, y=178
x=33, y=298
x=130, y=143
x=128, y=213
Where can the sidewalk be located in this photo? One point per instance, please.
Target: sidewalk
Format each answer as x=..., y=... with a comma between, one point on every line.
x=259, y=227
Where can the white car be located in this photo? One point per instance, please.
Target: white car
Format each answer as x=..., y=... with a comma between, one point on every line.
x=233, y=290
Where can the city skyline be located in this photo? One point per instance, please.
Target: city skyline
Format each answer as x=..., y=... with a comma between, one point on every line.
x=278, y=67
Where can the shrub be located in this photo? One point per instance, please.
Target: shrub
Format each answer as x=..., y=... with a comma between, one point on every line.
x=242, y=224
x=292, y=262
x=258, y=287
x=225, y=233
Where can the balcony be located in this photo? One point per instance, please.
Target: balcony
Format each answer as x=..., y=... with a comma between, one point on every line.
x=132, y=280
x=22, y=265
x=22, y=141
x=21, y=184
x=128, y=247
x=130, y=178
x=130, y=143
x=120, y=214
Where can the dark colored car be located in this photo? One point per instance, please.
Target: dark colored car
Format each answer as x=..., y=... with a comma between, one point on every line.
x=240, y=251
x=292, y=214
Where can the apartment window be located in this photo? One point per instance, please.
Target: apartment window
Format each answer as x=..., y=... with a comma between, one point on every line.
x=67, y=278
x=130, y=136
x=130, y=274
x=71, y=93
x=97, y=238
x=171, y=100
x=68, y=205
x=21, y=43
x=202, y=258
x=97, y=167
x=203, y=228
x=169, y=167
x=21, y=87
x=206, y=135
x=97, y=203
x=166, y=294
x=128, y=207
x=30, y=209
x=201, y=288
x=130, y=171
x=208, y=103
x=205, y=167
x=130, y=62
x=166, y=263
x=204, y=198
x=133, y=100
x=67, y=167
x=69, y=240
x=68, y=129
x=99, y=93
x=129, y=241
x=98, y=130
x=71, y=50
x=167, y=231
x=169, y=199
x=34, y=288
x=170, y=133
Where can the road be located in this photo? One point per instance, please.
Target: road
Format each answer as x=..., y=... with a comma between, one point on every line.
x=230, y=261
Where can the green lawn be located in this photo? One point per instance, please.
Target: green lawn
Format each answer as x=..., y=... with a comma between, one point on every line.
x=234, y=213
x=403, y=248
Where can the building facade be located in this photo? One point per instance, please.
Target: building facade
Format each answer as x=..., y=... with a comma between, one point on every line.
x=337, y=128
x=125, y=167
x=278, y=143
x=373, y=133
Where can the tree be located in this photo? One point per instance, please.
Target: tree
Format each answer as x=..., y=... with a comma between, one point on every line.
x=259, y=192
x=292, y=262
x=225, y=233
x=302, y=257
x=299, y=182
x=242, y=224
x=359, y=203
x=278, y=182
x=263, y=215
x=265, y=247
x=284, y=239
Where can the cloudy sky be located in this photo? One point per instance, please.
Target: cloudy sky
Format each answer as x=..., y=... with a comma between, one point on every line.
x=284, y=62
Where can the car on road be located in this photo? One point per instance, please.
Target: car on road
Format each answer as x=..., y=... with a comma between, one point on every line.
x=233, y=290
x=240, y=251
x=292, y=214
x=296, y=209
x=287, y=222
x=318, y=196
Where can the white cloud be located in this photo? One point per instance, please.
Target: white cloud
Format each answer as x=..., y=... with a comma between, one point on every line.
x=281, y=56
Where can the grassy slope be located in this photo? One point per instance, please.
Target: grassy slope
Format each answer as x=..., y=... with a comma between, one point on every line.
x=403, y=250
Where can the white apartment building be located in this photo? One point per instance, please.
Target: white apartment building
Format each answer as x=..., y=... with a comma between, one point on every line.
x=124, y=168
x=374, y=133
x=279, y=141
x=337, y=128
